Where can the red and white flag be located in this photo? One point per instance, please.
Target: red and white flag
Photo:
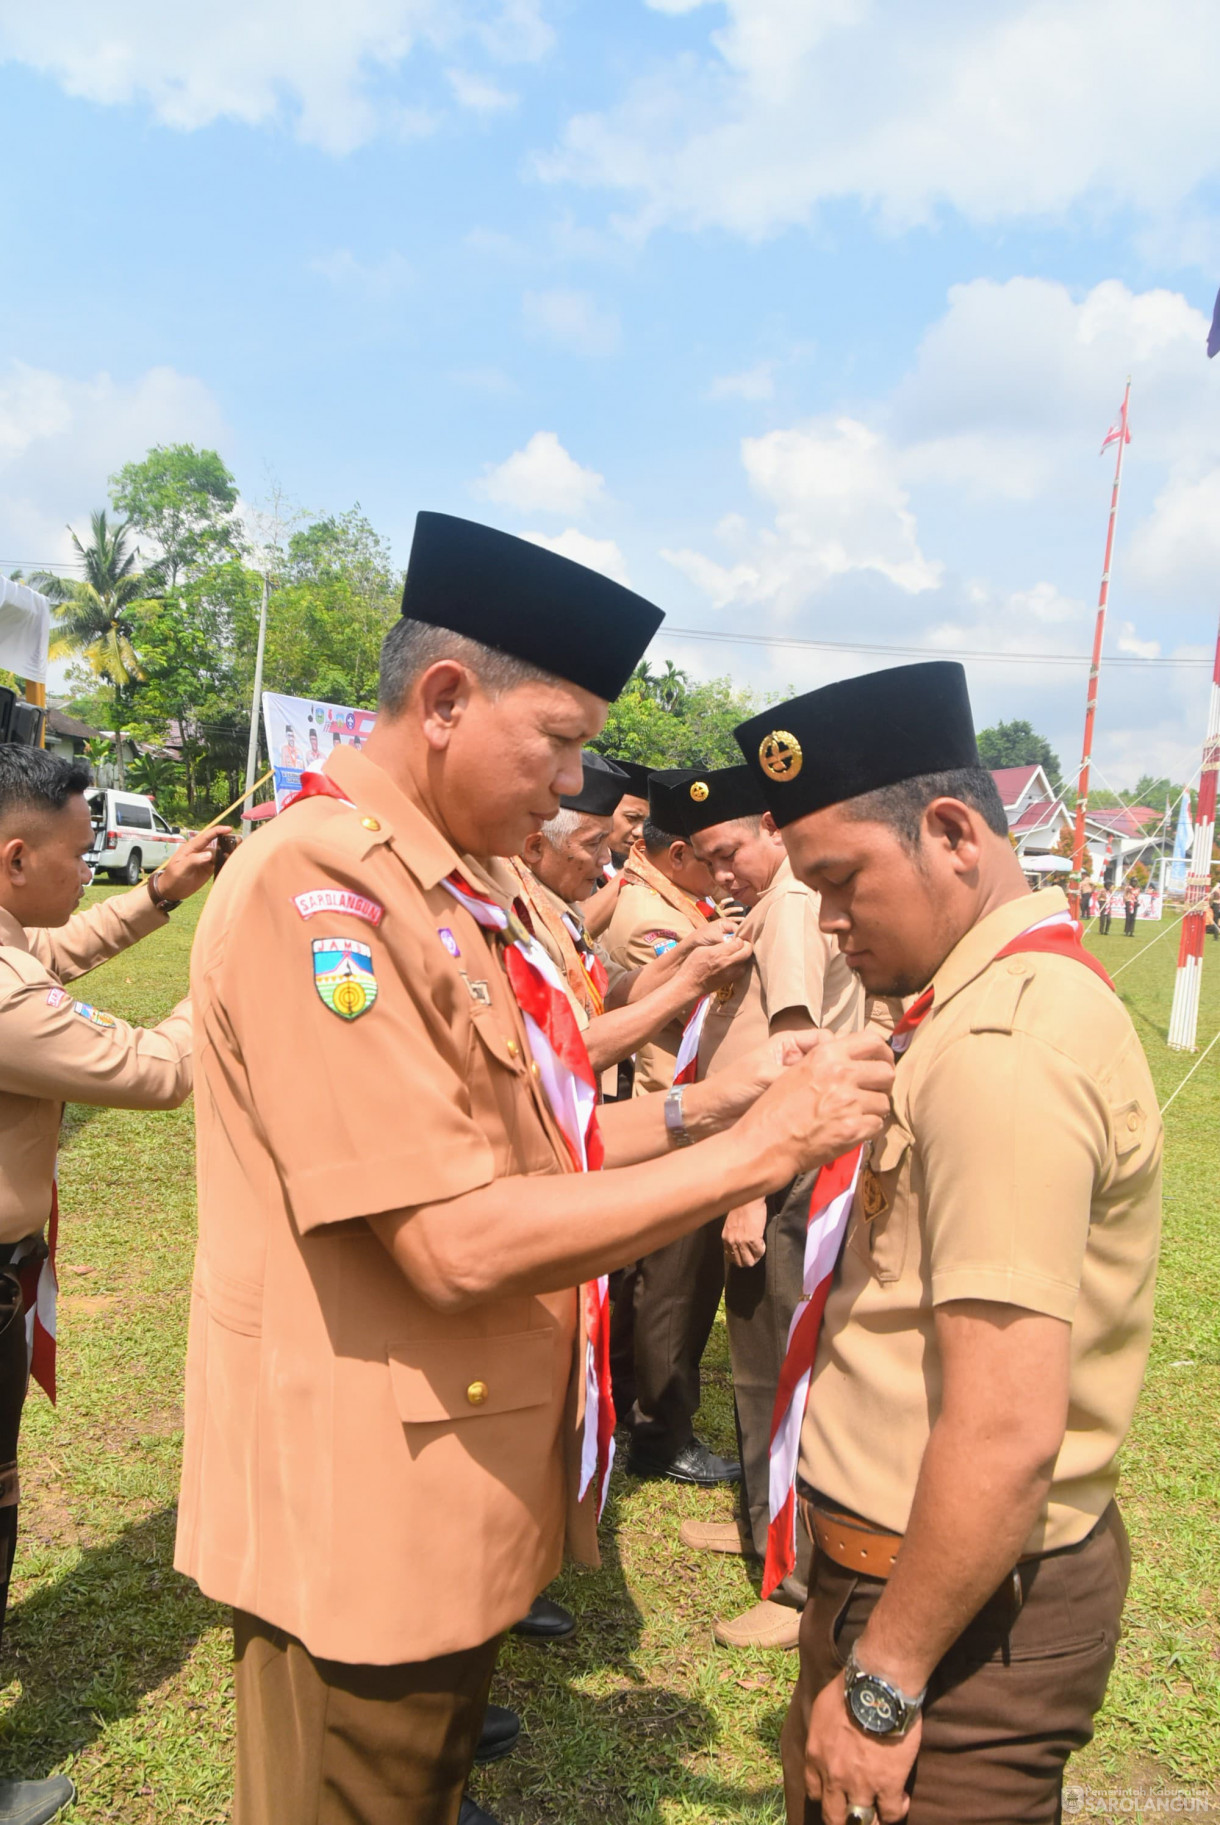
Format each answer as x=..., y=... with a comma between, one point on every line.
x=1120, y=430
x=686, y=1065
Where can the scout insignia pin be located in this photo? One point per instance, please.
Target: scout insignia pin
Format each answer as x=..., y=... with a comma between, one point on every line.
x=343, y=976
x=780, y=755
x=873, y=1200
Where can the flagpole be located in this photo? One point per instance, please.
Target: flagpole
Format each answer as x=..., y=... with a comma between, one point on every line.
x=1086, y=757
x=1184, y=1015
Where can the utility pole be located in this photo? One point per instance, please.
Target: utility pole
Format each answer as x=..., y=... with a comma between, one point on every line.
x=252, y=750
x=1122, y=434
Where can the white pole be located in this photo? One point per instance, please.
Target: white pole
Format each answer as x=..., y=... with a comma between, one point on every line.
x=1184, y=1015
x=252, y=750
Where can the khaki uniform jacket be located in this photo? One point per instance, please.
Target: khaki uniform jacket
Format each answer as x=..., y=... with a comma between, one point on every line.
x=386, y=1482
x=795, y=965
x=649, y=918
x=1022, y=1165
x=54, y=1049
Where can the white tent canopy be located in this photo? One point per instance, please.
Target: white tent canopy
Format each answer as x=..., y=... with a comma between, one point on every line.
x=25, y=631
x=1046, y=864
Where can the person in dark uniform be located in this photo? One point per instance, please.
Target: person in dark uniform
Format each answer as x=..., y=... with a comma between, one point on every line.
x=1131, y=906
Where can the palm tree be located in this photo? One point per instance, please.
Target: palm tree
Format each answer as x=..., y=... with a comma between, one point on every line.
x=96, y=617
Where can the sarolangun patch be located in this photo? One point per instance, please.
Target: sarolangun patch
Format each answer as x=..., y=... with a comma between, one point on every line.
x=343, y=976
x=339, y=900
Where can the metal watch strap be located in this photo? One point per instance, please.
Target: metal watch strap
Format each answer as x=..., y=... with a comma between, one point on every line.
x=904, y=1708
x=159, y=900
x=675, y=1122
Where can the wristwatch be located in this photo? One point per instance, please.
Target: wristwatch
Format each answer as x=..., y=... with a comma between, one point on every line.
x=675, y=1121
x=876, y=1705
x=158, y=898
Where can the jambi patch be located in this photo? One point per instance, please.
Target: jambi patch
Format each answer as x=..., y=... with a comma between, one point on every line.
x=343, y=976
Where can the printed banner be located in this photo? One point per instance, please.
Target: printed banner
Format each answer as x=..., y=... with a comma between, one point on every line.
x=302, y=732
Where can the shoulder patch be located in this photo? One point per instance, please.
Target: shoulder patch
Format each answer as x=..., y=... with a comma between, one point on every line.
x=57, y=997
x=94, y=1015
x=343, y=976
x=661, y=941
x=338, y=900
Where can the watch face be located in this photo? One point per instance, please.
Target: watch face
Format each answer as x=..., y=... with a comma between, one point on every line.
x=873, y=1708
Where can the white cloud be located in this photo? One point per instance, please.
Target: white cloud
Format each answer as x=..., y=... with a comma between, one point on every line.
x=753, y=383
x=478, y=94
x=61, y=437
x=322, y=67
x=1017, y=108
x=598, y=554
x=543, y=478
x=839, y=507
x=573, y=319
x=1175, y=552
x=376, y=280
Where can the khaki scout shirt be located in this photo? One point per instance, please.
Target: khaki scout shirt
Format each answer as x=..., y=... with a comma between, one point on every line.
x=54, y=1049
x=794, y=966
x=645, y=924
x=1021, y=1164
x=385, y=1481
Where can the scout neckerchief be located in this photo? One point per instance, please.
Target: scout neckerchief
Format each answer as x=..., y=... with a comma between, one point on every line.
x=584, y=969
x=571, y=1091
x=639, y=869
x=830, y=1204
x=35, y=1270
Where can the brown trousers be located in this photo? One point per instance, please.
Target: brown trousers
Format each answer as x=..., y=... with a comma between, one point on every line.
x=1014, y=1696
x=663, y=1314
x=320, y=1742
x=759, y=1302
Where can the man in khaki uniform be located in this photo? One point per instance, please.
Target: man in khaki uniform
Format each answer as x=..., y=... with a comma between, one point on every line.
x=986, y=1332
x=387, y=1389
x=796, y=980
x=665, y=1304
x=55, y=1049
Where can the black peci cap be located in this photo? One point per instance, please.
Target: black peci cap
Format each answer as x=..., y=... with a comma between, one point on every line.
x=669, y=800
x=859, y=735
x=721, y=796
x=637, y=777
x=524, y=600
x=604, y=785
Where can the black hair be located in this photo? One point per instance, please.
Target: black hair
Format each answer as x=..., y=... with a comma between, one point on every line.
x=655, y=839
x=901, y=807
x=33, y=780
x=411, y=647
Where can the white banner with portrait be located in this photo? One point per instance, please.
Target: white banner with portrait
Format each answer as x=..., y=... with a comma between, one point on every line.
x=301, y=732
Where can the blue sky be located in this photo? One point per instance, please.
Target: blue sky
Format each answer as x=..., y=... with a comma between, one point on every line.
x=806, y=316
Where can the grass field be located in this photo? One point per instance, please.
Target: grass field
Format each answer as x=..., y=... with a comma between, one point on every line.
x=117, y=1669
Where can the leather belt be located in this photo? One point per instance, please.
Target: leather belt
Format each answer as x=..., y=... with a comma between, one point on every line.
x=848, y=1541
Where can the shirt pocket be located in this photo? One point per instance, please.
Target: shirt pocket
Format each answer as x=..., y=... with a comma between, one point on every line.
x=881, y=1212
x=440, y=1380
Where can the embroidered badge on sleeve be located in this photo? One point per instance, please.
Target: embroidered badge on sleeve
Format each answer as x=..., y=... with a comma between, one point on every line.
x=94, y=1015
x=338, y=900
x=57, y=997
x=343, y=976
x=661, y=941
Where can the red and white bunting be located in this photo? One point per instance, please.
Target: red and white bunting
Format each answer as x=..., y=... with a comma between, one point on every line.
x=686, y=1065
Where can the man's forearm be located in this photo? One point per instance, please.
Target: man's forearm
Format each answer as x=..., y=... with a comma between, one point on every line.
x=619, y=1032
x=975, y=1503
x=539, y=1235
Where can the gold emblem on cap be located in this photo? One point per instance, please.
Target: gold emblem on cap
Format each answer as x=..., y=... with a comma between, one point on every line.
x=699, y=791
x=477, y=1393
x=780, y=755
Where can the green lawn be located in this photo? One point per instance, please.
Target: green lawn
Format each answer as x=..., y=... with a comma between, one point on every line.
x=118, y=1669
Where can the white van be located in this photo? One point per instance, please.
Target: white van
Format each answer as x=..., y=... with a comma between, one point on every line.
x=129, y=835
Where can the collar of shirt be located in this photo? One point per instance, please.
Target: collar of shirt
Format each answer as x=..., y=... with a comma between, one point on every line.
x=11, y=932
x=981, y=944
x=429, y=855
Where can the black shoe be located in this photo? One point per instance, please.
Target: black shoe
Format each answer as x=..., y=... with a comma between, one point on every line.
x=693, y=1464
x=34, y=1802
x=546, y=1622
x=501, y=1728
x=474, y=1815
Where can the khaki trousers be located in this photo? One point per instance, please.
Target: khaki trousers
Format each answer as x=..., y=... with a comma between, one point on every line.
x=663, y=1314
x=320, y=1742
x=1014, y=1696
x=759, y=1302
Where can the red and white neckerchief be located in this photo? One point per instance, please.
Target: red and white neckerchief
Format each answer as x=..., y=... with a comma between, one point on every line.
x=686, y=1065
x=40, y=1295
x=571, y=1089
x=830, y=1203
